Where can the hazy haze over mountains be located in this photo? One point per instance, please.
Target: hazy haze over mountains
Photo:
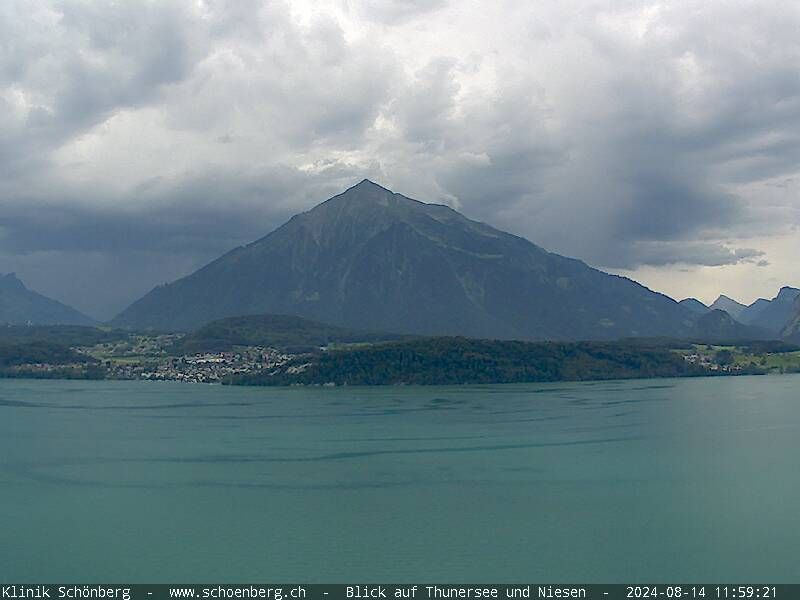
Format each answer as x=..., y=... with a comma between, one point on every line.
x=375, y=260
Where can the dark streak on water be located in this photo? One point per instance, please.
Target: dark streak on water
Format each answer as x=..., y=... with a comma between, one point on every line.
x=669, y=480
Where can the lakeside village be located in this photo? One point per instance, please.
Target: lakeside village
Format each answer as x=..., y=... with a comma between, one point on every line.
x=152, y=358
x=200, y=368
x=157, y=358
x=149, y=357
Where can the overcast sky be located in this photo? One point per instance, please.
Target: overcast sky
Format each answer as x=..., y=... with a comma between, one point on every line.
x=660, y=140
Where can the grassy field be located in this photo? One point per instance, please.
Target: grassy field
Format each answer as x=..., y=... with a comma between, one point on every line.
x=744, y=356
x=785, y=362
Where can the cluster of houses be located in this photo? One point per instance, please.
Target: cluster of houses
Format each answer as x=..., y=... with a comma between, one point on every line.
x=200, y=368
x=711, y=362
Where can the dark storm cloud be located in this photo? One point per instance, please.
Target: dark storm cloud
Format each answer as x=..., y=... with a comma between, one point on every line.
x=202, y=213
x=669, y=204
x=694, y=253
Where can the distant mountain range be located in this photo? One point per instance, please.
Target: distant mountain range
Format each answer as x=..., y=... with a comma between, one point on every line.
x=370, y=259
x=21, y=306
x=770, y=316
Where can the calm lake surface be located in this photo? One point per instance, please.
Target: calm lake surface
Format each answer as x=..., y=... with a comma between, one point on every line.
x=657, y=481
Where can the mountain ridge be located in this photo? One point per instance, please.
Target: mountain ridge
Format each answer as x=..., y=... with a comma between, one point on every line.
x=285, y=332
x=770, y=315
x=21, y=306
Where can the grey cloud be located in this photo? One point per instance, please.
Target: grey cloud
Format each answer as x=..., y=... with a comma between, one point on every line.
x=709, y=254
x=669, y=204
x=294, y=87
x=652, y=154
x=72, y=64
x=425, y=105
x=205, y=214
x=393, y=12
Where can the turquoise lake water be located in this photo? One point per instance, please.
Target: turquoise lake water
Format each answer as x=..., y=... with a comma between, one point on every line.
x=658, y=481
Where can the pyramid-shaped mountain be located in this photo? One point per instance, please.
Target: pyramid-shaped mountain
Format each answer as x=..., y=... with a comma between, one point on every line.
x=729, y=305
x=21, y=306
x=371, y=259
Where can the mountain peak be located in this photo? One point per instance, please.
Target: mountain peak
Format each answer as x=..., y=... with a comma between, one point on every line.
x=787, y=293
x=367, y=186
x=19, y=305
x=725, y=301
x=364, y=192
x=11, y=282
x=367, y=197
x=366, y=183
x=729, y=305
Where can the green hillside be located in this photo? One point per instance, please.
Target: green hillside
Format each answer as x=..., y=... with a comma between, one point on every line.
x=67, y=335
x=454, y=360
x=284, y=332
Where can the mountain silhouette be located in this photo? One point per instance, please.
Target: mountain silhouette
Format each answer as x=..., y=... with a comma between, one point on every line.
x=21, y=306
x=375, y=260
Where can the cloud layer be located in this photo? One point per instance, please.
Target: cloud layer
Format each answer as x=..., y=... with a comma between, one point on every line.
x=140, y=139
